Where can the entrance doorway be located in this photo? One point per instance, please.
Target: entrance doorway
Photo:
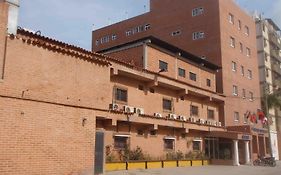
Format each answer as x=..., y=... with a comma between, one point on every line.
x=99, y=153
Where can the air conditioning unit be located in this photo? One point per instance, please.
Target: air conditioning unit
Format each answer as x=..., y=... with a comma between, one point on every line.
x=139, y=111
x=182, y=118
x=172, y=116
x=114, y=107
x=192, y=119
x=158, y=115
x=201, y=121
x=129, y=109
x=208, y=122
x=219, y=124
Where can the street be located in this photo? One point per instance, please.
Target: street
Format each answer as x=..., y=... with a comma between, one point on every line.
x=206, y=170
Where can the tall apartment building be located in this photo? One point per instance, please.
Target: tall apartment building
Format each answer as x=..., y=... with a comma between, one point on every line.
x=269, y=57
x=217, y=31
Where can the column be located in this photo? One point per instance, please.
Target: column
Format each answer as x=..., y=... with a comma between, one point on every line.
x=235, y=153
x=247, y=152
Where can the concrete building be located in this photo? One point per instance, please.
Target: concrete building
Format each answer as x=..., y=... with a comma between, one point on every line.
x=216, y=30
x=269, y=45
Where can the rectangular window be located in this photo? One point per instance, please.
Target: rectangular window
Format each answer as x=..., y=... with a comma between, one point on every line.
x=128, y=33
x=245, y=119
x=114, y=37
x=250, y=75
x=181, y=72
x=235, y=90
x=198, y=35
x=192, y=76
x=248, y=52
x=247, y=30
x=169, y=144
x=176, y=33
x=147, y=26
x=208, y=82
x=167, y=104
x=236, y=116
x=194, y=111
x=251, y=94
x=242, y=71
x=163, y=66
x=234, y=66
x=196, y=145
x=241, y=48
x=231, y=18
x=121, y=95
x=211, y=114
x=239, y=25
x=197, y=11
x=104, y=39
x=244, y=93
x=97, y=42
x=120, y=142
x=232, y=42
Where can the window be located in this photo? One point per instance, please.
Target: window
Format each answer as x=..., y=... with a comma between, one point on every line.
x=267, y=72
x=167, y=104
x=163, y=65
x=236, y=116
x=250, y=76
x=97, y=42
x=231, y=18
x=263, y=27
x=248, y=52
x=181, y=72
x=198, y=35
x=239, y=25
x=241, y=48
x=141, y=87
x=113, y=37
x=208, y=82
x=242, y=71
x=232, y=42
x=192, y=76
x=234, y=66
x=247, y=30
x=146, y=26
x=128, y=33
x=176, y=33
x=120, y=142
x=104, y=39
x=211, y=114
x=140, y=132
x=194, y=110
x=121, y=95
x=245, y=119
x=153, y=132
x=244, y=93
x=197, y=11
x=169, y=144
x=196, y=145
x=251, y=94
x=235, y=90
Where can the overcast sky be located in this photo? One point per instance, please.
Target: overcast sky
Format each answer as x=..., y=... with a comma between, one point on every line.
x=72, y=21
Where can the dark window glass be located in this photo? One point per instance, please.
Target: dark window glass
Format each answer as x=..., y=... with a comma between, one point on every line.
x=193, y=110
x=163, y=66
x=121, y=95
x=140, y=132
x=167, y=104
x=211, y=114
x=196, y=145
x=169, y=144
x=192, y=76
x=120, y=142
x=181, y=72
x=153, y=132
x=208, y=82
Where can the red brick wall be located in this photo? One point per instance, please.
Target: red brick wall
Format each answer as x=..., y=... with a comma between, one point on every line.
x=44, y=97
x=3, y=28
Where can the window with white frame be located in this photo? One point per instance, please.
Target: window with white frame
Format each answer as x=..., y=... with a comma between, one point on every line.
x=247, y=30
x=198, y=35
x=104, y=39
x=231, y=18
x=241, y=47
x=235, y=90
x=250, y=74
x=236, y=116
x=197, y=11
x=97, y=42
x=242, y=71
x=232, y=42
x=176, y=33
x=239, y=25
x=147, y=26
x=234, y=66
x=251, y=96
x=248, y=52
x=244, y=93
x=113, y=37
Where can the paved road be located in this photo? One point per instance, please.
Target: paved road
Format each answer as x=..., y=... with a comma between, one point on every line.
x=207, y=170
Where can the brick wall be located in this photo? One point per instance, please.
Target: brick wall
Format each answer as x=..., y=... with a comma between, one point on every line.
x=3, y=28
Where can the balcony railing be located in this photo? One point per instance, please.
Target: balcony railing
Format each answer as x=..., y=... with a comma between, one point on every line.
x=276, y=68
x=275, y=39
x=275, y=53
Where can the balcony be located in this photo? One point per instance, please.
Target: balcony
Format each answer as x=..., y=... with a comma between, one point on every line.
x=275, y=39
x=275, y=53
x=276, y=69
